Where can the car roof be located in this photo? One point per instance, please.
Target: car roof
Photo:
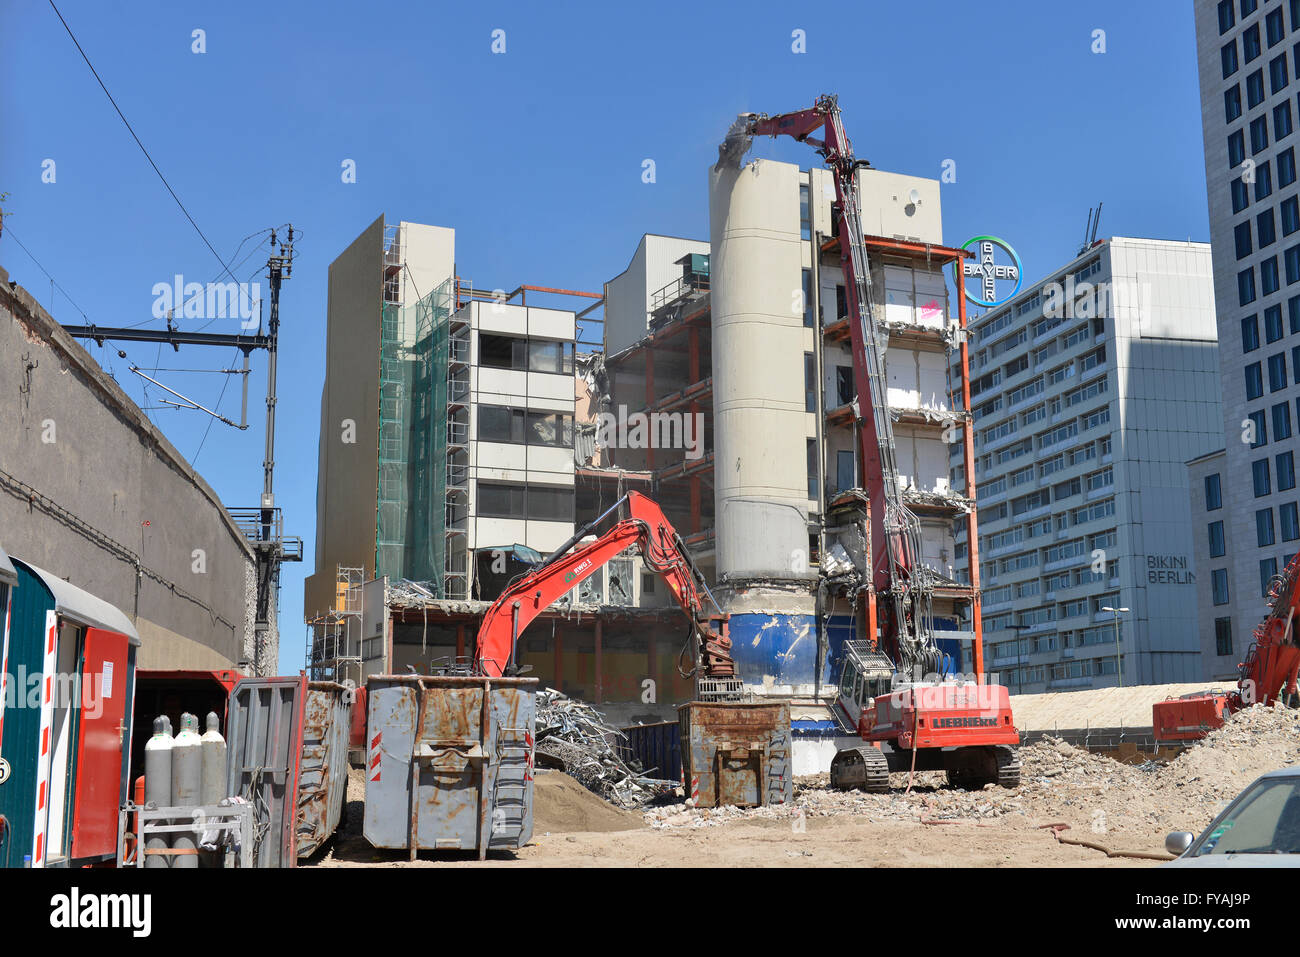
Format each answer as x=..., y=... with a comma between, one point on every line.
x=1293, y=771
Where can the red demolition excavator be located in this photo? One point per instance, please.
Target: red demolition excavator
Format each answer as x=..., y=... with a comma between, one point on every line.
x=1267, y=675
x=662, y=550
x=889, y=691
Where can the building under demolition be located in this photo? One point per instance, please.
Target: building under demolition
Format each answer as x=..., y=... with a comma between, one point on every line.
x=722, y=387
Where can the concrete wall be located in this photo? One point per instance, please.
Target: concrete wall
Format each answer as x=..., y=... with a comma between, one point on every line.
x=628, y=295
x=82, y=468
x=348, y=471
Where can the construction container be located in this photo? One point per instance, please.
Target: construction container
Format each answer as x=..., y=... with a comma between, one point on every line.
x=657, y=747
x=736, y=753
x=65, y=722
x=449, y=762
x=173, y=693
x=286, y=741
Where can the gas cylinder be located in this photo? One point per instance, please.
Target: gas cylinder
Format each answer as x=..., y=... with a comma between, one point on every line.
x=214, y=763
x=187, y=777
x=158, y=783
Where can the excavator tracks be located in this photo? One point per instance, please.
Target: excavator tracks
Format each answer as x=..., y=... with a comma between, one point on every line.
x=863, y=769
x=1008, y=766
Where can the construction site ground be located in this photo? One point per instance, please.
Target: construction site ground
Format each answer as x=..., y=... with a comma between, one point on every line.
x=1121, y=807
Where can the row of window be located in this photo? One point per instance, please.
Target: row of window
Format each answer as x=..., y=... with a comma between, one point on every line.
x=1269, y=279
x=1268, y=567
x=1273, y=326
x=1255, y=427
x=1261, y=175
x=531, y=355
x=545, y=503
x=521, y=427
x=1251, y=44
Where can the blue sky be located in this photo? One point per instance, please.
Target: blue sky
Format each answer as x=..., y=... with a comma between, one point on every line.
x=535, y=155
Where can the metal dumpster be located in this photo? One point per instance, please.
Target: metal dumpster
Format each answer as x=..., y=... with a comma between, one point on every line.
x=449, y=762
x=286, y=744
x=736, y=753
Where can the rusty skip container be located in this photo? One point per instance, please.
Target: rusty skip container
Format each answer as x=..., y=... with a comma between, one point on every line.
x=323, y=773
x=736, y=753
x=286, y=747
x=449, y=762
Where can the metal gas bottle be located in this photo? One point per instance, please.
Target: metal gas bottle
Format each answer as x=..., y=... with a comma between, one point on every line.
x=158, y=783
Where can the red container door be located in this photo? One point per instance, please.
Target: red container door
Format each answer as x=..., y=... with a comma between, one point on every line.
x=99, y=752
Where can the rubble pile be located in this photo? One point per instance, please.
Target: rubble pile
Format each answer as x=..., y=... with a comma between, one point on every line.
x=1059, y=782
x=574, y=735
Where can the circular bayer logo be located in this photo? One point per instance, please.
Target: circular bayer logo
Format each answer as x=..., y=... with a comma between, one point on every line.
x=995, y=266
x=4, y=770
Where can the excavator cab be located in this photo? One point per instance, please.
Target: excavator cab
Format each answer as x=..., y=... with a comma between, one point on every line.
x=866, y=674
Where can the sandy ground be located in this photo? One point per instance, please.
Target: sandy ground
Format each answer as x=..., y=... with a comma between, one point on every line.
x=578, y=829
x=1121, y=807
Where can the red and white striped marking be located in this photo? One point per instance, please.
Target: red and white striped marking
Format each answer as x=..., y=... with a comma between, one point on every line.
x=695, y=790
x=47, y=727
x=528, y=766
x=375, y=756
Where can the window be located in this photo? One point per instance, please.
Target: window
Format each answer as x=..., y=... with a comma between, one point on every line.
x=1219, y=585
x=1226, y=19
x=1236, y=149
x=1292, y=257
x=1250, y=334
x=1241, y=239
x=545, y=356
x=1277, y=76
x=1274, y=30
x=846, y=475
x=1232, y=103
x=1250, y=46
x=1285, y=165
x=805, y=214
x=1246, y=286
x=1282, y=123
x=1213, y=492
x=1240, y=195
x=1263, y=179
x=516, y=426
x=1289, y=519
x=1218, y=547
x=1259, y=428
x=1295, y=363
x=844, y=390
x=809, y=382
x=1268, y=280
x=1277, y=372
x=841, y=302
x=1281, y=421
x=1258, y=140
x=547, y=503
x=1267, y=569
x=1228, y=58
x=814, y=470
x=1222, y=636
x=1290, y=215
x=1254, y=381
x=1259, y=475
x=1273, y=324
x=1265, y=228
x=1284, y=468
x=1264, y=527
x=510, y=352
x=1255, y=89
x=1248, y=7
x=807, y=293
x=1293, y=312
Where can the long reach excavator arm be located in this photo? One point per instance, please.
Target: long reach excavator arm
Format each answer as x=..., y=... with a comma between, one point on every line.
x=662, y=550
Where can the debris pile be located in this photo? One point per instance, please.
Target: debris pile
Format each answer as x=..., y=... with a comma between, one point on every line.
x=575, y=737
x=1059, y=782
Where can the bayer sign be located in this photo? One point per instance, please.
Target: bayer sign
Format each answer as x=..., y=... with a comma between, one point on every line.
x=995, y=262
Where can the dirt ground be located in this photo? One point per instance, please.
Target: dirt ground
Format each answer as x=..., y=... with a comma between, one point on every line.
x=1117, y=806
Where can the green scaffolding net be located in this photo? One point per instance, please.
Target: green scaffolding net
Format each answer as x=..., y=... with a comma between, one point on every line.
x=415, y=426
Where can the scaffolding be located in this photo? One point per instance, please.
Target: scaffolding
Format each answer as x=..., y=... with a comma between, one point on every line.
x=334, y=638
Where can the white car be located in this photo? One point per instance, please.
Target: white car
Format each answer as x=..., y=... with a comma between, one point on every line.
x=1260, y=828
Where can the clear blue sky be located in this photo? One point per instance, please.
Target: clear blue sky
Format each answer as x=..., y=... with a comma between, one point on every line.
x=535, y=155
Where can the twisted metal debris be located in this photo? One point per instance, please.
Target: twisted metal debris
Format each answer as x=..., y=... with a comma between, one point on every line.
x=574, y=735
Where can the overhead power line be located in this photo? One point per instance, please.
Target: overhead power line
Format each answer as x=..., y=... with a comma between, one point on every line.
x=138, y=143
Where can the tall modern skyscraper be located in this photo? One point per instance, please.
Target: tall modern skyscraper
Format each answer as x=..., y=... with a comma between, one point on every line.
x=1090, y=390
x=1245, y=498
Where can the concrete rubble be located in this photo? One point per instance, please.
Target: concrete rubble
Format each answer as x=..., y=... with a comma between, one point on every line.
x=575, y=735
x=1059, y=782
